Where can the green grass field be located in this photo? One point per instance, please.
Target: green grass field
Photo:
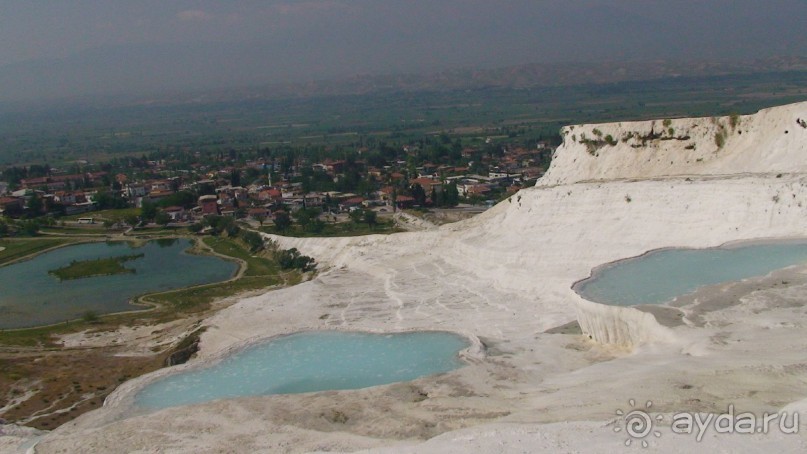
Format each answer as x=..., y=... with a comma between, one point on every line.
x=16, y=249
x=336, y=230
x=101, y=215
x=256, y=265
x=261, y=271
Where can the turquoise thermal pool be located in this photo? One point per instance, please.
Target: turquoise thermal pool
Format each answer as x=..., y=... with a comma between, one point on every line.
x=29, y=296
x=660, y=276
x=307, y=362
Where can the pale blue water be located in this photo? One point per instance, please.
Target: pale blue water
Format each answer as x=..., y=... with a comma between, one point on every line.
x=663, y=275
x=29, y=296
x=310, y=361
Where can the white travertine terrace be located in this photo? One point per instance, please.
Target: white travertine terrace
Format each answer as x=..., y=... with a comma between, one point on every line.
x=505, y=277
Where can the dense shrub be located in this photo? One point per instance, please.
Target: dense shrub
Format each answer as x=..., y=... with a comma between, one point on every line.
x=253, y=239
x=292, y=259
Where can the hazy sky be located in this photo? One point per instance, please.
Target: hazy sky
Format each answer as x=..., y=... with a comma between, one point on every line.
x=63, y=48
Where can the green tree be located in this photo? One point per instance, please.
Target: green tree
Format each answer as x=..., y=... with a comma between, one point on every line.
x=148, y=210
x=28, y=227
x=370, y=217
x=303, y=217
x=418, y=194
x=104, y=200
x=232, y=228
x=219, y=224
x=131, y=219
x=356, y=216
x=253, y=239
x=291, y=258
x=162, y=218
x=90, y=317
x=317, y=226
x=282, y=221
x=451, y=195
x=35, y=205
x=185, y=199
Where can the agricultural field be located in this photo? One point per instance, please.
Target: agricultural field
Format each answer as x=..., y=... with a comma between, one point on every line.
x=474, y=115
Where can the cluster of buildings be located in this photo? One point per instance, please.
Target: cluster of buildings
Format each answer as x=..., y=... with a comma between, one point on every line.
x=52, y=191
x=186, y=194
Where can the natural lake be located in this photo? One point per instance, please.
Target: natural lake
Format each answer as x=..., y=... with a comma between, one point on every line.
x=307, y=362
x=660, y=276
x=29, y=296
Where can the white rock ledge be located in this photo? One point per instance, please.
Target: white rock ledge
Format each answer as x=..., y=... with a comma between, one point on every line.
x=621, y=326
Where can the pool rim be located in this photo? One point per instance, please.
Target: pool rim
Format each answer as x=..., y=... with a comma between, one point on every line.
x=121, y=401
x=728, y=245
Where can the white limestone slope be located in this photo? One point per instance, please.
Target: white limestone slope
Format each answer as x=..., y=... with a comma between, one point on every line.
x=505, y=277
x=770, y=141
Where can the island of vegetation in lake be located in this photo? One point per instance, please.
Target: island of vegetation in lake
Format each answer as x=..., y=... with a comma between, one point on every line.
x=96, y=267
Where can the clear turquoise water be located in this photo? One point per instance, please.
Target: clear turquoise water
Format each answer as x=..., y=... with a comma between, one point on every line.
x=310, y=361
x=663, y=275
x=29, y=296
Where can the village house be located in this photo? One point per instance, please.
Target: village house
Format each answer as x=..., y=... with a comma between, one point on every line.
x=65, y=198
x=31, y=183
x=259, y=214
x=404, y=201
x=209, y=205
x=269, y=195
x=227, y=209
x=176, y=213
x=159, y=185
x=428, y=184
x=66, y=181
x=334, y=166
x=155, y=195
x=133, y=191
x=313, y=199
x=351, y=204
x=473, y=189
x=10, y=205
x=386, y=194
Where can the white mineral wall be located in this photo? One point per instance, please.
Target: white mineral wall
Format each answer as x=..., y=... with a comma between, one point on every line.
x=770, y=141
x=622, y=326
